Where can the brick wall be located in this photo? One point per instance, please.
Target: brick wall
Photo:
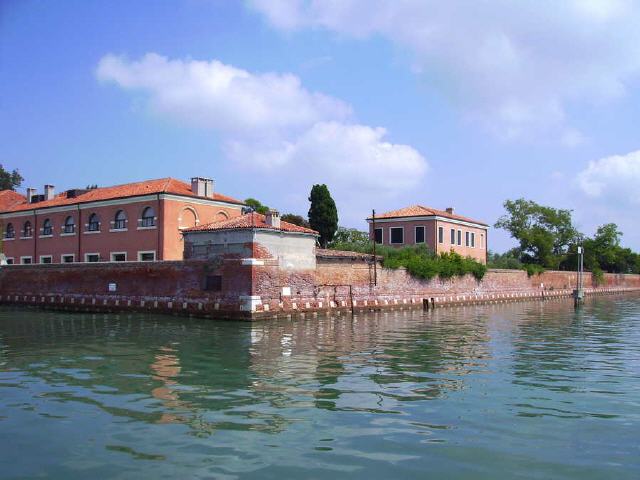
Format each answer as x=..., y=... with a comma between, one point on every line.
x=175, y=286
x=250, y=291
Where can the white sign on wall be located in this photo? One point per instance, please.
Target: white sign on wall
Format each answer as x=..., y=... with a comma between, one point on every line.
x=112, y=287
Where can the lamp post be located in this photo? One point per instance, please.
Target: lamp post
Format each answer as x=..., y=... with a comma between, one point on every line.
x=578, y=293
x=375, y=261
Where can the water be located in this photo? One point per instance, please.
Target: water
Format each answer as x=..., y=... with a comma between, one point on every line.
x=528, y=390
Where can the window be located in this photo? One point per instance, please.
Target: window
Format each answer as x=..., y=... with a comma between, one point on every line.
x=91, y=257
x=46, y=259
x=378, y=236
x=118, y=256
x=396, y=235
x=25, y=260
x=27, y=230
x=69, y=225
x=213, y=283
x=467, y=239
x=453, y=237
x=94, y=223
x=419, y=234
x=440, y=234
x=10, y=232
x=473, y=240
x=9, y=261
x=148, y=218
x=46, y=228
x=459, y=237
x=120, y=220
x=146, y=256
x=70, y=258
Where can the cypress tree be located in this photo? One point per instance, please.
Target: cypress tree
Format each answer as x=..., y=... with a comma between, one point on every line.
x=323, y=214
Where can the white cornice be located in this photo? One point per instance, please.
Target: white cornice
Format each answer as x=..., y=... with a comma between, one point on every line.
x=428, y=218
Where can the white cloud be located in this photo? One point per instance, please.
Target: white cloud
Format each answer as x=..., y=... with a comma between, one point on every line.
x=339, y=154
x=614, y=179
x=223, y=97
x=513, y=66
x=271, y=123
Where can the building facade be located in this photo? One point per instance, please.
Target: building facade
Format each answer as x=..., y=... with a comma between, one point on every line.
x=440, y=230
x=254, y=238
x=133, y=222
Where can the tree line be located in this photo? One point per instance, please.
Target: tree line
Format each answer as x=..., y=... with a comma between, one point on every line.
x=548, y=239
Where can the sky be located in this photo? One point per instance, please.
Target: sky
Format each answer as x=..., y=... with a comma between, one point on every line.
x=390, y=103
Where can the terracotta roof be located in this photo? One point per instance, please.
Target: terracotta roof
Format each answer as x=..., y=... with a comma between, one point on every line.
x=422, y=211
x=9, y=198
x=249, y=221
x=161, y=185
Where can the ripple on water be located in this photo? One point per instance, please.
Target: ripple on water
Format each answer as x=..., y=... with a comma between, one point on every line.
x=529, y=390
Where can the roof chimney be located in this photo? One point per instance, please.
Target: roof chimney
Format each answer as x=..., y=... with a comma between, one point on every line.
x=49, y=192
x=202, y=187
x=272, y=218
x=31, y=192
x=450, y=210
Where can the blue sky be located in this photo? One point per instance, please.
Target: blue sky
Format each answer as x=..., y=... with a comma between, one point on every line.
x=390, y=103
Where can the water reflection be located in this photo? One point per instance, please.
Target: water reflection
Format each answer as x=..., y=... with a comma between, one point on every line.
x=344, y=394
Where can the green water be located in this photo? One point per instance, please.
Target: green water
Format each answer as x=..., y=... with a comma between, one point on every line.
x=528, y=390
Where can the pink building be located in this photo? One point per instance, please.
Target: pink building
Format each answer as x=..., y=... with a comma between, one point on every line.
x=440, y=230
x=133, y=222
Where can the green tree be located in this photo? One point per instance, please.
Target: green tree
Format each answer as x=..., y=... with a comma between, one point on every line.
x=256, y=205
x=350, y=239
x=544, y=233
x=10, y=180
x=323, y=214
x=295, y=219
x=508, y=260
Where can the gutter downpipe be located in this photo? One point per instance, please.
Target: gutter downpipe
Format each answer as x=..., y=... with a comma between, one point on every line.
x=36, y=232
x=159, y=255
x=80, y=230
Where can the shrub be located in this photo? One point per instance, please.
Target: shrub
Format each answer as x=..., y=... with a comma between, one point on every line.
x=421, y=262
x=533, y=269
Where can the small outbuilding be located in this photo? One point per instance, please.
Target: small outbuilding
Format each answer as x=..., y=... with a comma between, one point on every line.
x=255, y=239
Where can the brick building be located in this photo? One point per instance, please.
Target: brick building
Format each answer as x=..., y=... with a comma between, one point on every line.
x=133, y=222
x=440, y=230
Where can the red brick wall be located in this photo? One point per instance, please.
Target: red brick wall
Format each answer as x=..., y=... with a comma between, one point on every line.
x=167, y=281
x=335, y=283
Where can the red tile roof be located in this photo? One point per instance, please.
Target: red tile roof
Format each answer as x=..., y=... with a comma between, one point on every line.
x=9, y=198
x=422, y=211
x=249, y=221
x=161, y=185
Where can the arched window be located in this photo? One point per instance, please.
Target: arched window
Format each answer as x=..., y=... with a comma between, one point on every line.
x=94, y=223
x=10, y=232
x=188, y=218
x=69, y=225
x=148, y=217
x=220, y=216
x=46, y=227
x=27, y=229
x=120, y=220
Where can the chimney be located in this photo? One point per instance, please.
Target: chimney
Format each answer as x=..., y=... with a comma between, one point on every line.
x=202, y=187
x=450, y=210
x=49, y=192
x=272, y=218
x=31, y=192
